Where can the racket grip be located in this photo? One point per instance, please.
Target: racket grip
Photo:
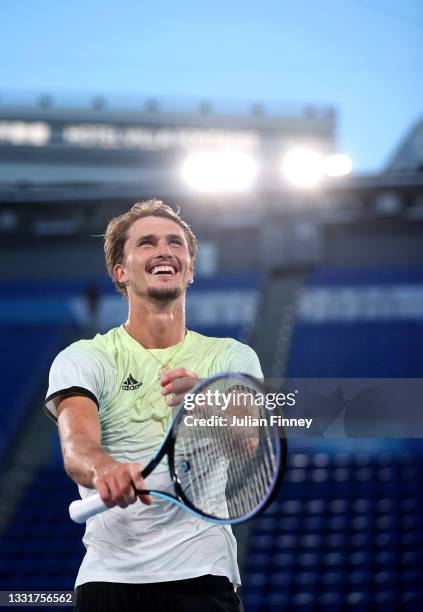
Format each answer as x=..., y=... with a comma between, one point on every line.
x=81, y=510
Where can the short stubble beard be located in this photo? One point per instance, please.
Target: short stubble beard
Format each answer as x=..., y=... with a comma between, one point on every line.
x=164, y=295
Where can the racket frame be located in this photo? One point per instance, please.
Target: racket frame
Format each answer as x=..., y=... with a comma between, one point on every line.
x=168, y=448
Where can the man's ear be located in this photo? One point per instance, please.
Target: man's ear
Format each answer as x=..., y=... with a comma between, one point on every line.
x=119, y=273
x=191, y=272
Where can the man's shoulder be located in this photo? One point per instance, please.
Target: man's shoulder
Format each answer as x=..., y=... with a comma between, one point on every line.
x=212, y=341
x=100, y=346
x=222, y=345
x=231, y=354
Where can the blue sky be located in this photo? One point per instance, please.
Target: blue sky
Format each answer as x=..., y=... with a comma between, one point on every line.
x=365, y=57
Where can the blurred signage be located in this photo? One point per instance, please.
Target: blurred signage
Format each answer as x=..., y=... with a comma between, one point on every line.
x=25, y=133
x=122, y=137
x=97, y=135
x=401, y=302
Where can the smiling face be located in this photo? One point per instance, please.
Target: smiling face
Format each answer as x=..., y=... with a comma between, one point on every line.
x=156, y=261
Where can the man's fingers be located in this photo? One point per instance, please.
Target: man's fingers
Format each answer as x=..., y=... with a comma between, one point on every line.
x=104, y=492
x=139, y=484
x=116, y=495
x=178, y=381
x=121, y=485
x=137, y=479
x=127, y=498
x=170, y=375
x=145, y=499
x=179, y=385
x=122, y=490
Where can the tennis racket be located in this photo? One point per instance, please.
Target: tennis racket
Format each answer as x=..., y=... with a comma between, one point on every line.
x=225, y=471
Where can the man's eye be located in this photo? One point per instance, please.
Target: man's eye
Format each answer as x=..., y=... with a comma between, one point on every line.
x=178, y=242
x=143, y=242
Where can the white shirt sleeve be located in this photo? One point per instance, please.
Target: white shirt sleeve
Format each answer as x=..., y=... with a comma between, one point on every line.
x=242, y=358
x=78, y=371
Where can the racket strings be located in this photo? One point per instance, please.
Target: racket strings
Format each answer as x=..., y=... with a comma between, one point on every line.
x=256, y=471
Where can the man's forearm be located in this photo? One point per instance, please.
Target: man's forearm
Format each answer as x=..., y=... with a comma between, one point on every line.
x=83, y=458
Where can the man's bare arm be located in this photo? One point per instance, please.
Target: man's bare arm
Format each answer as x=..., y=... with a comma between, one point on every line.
x=87, y=463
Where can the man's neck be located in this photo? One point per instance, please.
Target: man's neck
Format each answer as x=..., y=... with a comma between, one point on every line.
x=156, y=325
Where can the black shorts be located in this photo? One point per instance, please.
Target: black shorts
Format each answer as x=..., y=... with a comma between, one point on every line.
x=203, y=594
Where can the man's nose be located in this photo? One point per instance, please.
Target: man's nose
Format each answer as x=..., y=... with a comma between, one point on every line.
x=163, y=249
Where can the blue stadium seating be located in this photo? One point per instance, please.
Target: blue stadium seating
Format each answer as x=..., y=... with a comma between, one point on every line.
x=358, y=277
x=357, y=349
x=365, y=346
x=42, y=548
x=24, y=360
x=352, y=543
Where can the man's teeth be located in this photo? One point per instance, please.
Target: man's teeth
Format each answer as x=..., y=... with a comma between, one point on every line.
x=159, y=269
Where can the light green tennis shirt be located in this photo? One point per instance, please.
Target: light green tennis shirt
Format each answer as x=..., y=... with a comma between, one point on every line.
x=162, y=542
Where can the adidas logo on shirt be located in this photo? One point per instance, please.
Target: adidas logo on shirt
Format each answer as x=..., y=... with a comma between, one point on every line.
x=130, y=384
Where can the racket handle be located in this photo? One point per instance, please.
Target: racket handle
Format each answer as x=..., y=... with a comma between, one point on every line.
x=82, y=509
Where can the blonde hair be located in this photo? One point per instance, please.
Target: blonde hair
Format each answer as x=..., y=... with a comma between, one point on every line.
x=117, y=233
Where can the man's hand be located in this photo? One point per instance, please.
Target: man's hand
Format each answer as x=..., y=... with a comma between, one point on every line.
x=178, y=382
x=117, y=483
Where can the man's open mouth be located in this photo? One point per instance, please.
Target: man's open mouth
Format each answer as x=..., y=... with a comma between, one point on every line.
x=163, y=269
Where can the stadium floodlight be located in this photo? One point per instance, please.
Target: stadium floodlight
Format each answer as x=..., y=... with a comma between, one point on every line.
x=302, y=167
x=337, y=164
x=217, y=171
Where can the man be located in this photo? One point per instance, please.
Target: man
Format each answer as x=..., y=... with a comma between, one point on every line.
x=112, y=398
